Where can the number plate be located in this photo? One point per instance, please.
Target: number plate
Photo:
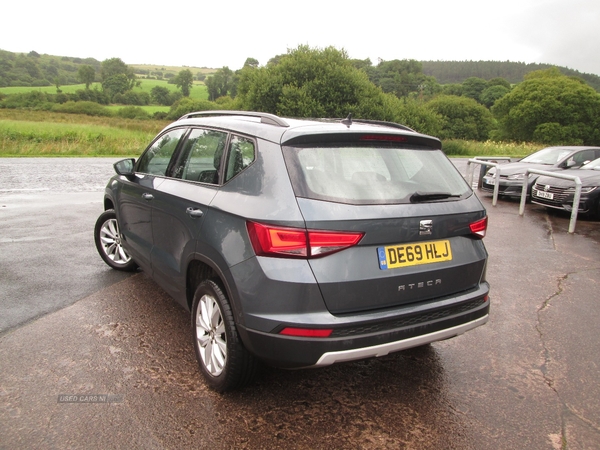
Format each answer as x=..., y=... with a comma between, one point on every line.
x=404, y=255
x=490, y=180
x=543, y=194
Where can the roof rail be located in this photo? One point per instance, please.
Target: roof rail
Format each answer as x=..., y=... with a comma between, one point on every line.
x=270, y=119
x=383, y=123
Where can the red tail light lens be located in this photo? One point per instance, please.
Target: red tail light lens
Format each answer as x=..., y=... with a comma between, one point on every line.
x=383, y=137
x=296, y=242
x=306, y=332
x=479, y=228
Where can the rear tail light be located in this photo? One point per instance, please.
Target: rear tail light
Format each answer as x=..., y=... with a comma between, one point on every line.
x=269, y=240
x=479, y=228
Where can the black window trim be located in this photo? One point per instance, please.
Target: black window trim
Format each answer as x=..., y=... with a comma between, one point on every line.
x=176, y=152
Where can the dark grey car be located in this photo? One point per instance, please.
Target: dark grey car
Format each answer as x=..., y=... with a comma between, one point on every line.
x=559, y=193
x=300, y=243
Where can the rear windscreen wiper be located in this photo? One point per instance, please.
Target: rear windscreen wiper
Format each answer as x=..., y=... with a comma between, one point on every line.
x=430, y=196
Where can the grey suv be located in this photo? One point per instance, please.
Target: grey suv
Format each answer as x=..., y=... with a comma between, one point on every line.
x=300, y=243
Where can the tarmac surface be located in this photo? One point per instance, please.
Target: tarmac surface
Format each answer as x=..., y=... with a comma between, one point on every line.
x=94, y=358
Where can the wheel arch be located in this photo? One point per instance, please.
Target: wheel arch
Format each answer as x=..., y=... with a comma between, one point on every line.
x=202, y=268
x=108, y=204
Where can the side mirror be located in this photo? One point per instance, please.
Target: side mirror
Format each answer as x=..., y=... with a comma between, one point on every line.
x=125, y=167
x=570, y=163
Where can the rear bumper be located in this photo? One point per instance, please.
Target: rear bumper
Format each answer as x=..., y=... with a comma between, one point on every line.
x=384, y=349
x=360, y=339
x=586, y=204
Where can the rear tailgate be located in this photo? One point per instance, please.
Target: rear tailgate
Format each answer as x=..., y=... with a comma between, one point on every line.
x=394, y=263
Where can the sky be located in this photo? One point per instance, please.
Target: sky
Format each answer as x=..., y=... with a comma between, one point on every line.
x=224, y=33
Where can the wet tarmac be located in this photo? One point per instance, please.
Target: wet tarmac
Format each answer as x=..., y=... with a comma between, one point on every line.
x=527, y=379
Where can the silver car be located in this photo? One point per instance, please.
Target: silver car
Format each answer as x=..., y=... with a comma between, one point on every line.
x=549, y=159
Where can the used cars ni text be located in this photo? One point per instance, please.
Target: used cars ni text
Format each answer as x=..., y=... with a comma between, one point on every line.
x=300, y=243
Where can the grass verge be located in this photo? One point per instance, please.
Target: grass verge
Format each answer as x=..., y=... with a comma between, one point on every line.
x=43, y=133
x=40, y=133
x=470, y=149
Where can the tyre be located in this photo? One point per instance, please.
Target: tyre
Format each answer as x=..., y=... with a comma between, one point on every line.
x=223, y=359
x=108, y=242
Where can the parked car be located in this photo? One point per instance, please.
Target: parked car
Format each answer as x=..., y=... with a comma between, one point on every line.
x=550, y=159
x=558, y=193
x=300, y=243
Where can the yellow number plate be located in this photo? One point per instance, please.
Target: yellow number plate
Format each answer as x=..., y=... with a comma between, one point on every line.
x=404, y=255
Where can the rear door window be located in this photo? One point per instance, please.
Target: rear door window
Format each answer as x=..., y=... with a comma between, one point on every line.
x=200, y=158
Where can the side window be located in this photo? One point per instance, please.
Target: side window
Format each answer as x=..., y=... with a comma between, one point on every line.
x=241, y=155
x=203, y=153
x=583, y=157
x=155, y=160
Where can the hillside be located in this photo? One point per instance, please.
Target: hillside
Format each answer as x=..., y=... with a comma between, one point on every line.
x=33, y=69
x=446, y=72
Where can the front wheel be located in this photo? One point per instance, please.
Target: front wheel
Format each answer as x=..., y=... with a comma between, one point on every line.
x=223, y=359
x=108, y=241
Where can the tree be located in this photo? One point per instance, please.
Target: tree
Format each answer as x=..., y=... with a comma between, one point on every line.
x=551, y=108
x=116, y=84
x=490, y=94
x=115, y=66
x=58, y=82
x=251, y=62
x=86, y=75
x=117, y=77
x=499, y=81
x=462, y=118
x=473, y=87
x=184, y=80
x=161, y=95
x=220, y=84
x=311, y=83
x=399, y=77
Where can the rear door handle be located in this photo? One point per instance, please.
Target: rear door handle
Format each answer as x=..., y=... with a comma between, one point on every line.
x=194, y=213
x=147, y=196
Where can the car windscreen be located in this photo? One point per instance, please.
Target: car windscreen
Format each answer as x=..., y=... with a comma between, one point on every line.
x=594, y=165
x=549, y=156
x=373, y=174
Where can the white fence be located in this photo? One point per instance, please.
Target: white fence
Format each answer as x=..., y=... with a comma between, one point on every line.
x=576, y=197
x=486, y=161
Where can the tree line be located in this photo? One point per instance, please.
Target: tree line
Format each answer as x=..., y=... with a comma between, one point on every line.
x=447, y=72
x=547, y=107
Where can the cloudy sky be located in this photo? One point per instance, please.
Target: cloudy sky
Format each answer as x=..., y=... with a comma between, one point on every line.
x=214, y=34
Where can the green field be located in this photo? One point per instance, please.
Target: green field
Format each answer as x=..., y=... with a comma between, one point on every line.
x=42, y=133
x=198, y=91
x=39, y=133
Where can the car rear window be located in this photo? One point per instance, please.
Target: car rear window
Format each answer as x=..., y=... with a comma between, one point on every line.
x=372, y=174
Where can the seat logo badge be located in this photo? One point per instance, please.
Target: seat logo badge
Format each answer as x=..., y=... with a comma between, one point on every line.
x=546, y=188
x=425, y=227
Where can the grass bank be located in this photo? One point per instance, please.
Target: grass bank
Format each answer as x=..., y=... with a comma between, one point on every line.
x=469, y=149
x=40, y=133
